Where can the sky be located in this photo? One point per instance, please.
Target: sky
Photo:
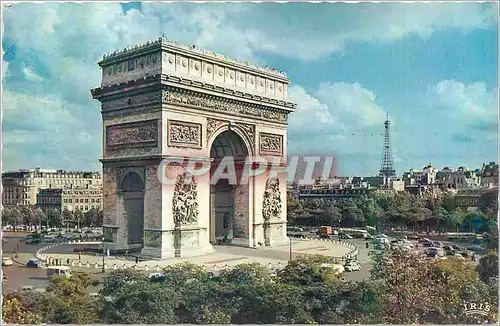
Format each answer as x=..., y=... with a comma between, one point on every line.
x=432, y=67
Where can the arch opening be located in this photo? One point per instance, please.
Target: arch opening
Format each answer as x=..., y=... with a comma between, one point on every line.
x=132, y=188
x=228, y=201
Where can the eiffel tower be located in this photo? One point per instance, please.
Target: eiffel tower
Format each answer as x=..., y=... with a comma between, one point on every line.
x=387, y=167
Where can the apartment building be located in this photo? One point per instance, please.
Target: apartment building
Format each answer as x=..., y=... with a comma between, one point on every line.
x=489, y=175
x=21, y=187
x=71, y=199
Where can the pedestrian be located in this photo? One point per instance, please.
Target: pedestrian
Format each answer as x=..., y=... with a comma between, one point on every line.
x=67, y=261
x=367, y=245
x=79, y=255
x=136, y=260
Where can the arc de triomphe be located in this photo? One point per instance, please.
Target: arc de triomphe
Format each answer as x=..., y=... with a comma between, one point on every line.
x=162, y=100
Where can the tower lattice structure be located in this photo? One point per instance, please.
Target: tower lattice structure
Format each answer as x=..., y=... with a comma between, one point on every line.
x=387, y=167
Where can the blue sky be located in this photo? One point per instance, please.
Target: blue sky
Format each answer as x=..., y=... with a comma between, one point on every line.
x=431, y=67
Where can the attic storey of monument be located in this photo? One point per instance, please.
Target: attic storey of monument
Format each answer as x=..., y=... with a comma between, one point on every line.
x=163, y=101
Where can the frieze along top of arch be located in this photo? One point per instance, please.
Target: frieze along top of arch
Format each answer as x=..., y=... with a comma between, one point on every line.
x=188, y=98
x=167, y=58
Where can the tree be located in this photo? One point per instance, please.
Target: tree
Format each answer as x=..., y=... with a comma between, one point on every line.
x=352, y=215
x=137, y=300
x=310, y=270
x=13, y=313
x=405, y=290
x=29, y=215
x=40, y=216
x=67, y=216
x=488, y=266
x=75, y=305
x=456, y=282
x=78, y=217
x=333, y=214
x=55, y=218
x=91, y=218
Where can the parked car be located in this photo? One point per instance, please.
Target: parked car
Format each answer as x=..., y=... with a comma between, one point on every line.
x=437, y=244
x=459, y=256
x=157, y=277
x=422, y=240
x=7, y=261
x=455, y=247
x=427, y=244
x=352, y=266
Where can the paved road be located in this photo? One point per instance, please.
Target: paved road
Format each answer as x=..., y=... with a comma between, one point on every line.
x=18, y=275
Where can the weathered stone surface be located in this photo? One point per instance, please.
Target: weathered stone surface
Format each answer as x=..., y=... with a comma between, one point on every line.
x=185, y=201
x=271, y=144
x=159, y=101
x=271, y=207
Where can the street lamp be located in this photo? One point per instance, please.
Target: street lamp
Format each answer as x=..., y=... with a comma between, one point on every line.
x=103, y=253
x=290, y=249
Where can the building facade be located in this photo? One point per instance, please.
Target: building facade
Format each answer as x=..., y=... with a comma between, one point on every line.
x=165, y=102
x=21, y=187
x=71, y=199
x=489, y=175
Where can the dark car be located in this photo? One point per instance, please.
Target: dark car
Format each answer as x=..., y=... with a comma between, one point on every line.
x=427, y=244
x=437, y=244
x=34, y=263
x=449, y=252
x=464, y=254
x=455, y=247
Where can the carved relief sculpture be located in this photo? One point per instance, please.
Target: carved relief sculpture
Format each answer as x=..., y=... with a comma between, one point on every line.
x=184, y=134
x=212, y=126
x=249, y=131
x=271, y=207
x=185, y=203
x=271, y=144
x=134, y=134
x=221, y=105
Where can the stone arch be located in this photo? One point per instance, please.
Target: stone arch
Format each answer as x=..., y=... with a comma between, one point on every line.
x=229, y=202
x=235, y=129
x=132, y=188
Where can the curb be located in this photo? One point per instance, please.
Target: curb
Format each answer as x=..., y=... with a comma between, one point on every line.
x=48, y=259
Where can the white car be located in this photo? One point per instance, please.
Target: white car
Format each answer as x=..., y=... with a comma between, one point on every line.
x=6, y=261
x=352, y=266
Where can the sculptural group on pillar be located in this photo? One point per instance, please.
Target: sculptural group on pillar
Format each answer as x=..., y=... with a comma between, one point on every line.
x=185, y=203
x=271, y=207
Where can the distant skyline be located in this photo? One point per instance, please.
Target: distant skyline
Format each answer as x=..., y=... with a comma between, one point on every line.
x=433, y=67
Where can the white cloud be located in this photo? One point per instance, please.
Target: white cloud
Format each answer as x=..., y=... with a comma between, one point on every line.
x=335, y=106
x=473, y=104
x=63, y=42
x=343, y=114
x=31, y=75
x=48, y=126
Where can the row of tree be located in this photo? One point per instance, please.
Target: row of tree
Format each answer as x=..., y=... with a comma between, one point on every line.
x=33, y=216
x=400, y=210
x=403, y=289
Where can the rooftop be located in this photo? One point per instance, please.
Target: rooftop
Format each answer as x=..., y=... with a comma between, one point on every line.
x=163, y=41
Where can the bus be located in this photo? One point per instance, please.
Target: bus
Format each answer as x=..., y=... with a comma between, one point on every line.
x=356, y=233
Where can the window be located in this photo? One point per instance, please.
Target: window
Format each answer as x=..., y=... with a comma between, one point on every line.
x=86, y=200
x=65, y=200
x=86, y=208
x=92, y=200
